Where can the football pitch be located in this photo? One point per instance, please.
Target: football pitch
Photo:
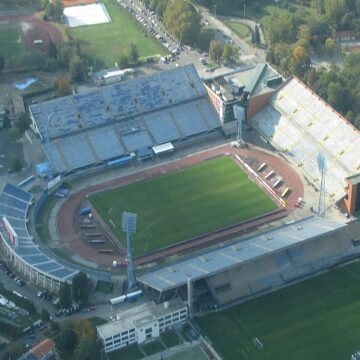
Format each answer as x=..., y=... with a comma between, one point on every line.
x=104, y=44
x=184, y=204
x=316, y=319
x=10, y=40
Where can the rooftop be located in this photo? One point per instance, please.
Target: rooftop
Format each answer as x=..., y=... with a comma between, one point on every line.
x=139, y=316
x=43, y=348
x=253, y=79
x=355, y=179
x=175, y=274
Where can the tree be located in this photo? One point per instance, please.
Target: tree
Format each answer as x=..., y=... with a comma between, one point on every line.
x=80, y=288
x=22, y=122
x=256, y=35
x=204, y=38
x=65, y=295
x=52, y=50
x=54, y=9
x=330, y=46
x=229, y=53
x=183, y=21
x=2, y=62
x=88, y=350
x=45, y=315
x=215, y=50
x=16, y=164
x=282, y=28
x=84, y=329
x=76, y=68
x=14, y=134
x=67, y=337
x=62, y=86
x=123, y=62
x=336, y=96
x=134, y=54
x=300, y=61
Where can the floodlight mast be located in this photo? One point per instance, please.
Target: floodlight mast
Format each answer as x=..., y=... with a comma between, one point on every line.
x=129, y=226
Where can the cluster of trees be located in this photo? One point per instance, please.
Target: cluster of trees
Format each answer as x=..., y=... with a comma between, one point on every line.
x=340, y=88
x=131, y=59
x=78, y=292
x=78, y=339
x=218, y=51
x=53, y=9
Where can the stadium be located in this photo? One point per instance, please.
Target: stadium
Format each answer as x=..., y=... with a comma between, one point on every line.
x=220, y=222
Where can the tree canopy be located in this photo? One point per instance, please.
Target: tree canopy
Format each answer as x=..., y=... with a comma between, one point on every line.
x=183, y=21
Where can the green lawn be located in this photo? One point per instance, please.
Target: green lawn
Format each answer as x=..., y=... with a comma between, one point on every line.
x=184, y=204
x=152, y=348
x=316, y=319
x=104, y=44
x=170, y=339
x=131, y=352
x=241, y=30
x=10, y=40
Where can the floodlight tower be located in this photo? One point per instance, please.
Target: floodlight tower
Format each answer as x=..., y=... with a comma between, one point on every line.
x=321, y=161
x=239, y=114
x=129, y=226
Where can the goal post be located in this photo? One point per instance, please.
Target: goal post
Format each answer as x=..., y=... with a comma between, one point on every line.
x=257, y=343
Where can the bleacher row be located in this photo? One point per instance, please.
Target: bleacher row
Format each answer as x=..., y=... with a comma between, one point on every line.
x=118, y=139
x=301, y=125
x=124, y=117
x=14, y=205
x=277, y=269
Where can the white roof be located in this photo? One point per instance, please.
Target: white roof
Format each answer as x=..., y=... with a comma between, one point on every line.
x=158, y=149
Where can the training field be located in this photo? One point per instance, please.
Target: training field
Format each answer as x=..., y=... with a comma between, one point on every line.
x=10, y=39
x=316, y=319
x=184, y=204
x=104, y=44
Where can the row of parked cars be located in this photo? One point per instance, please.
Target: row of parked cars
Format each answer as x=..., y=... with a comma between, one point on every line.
x=8, y=272
x=44, y=295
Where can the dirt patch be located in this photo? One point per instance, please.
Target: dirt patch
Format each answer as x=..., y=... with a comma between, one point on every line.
x=34, y=28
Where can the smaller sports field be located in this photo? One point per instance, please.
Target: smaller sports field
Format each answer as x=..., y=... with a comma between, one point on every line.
x=11, y=39
x=184, y=204
x=104, y=44
x=316, y=319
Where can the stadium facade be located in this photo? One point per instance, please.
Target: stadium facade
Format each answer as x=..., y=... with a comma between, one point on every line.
x=253, y=266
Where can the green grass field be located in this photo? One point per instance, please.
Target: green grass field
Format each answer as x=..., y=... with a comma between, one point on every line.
x=10, y=40
x=316, y=319
x=184, y=204
x=104, y=44
x=241, y=30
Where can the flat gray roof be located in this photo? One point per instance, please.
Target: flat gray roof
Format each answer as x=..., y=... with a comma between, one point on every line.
x=175, y=274
x=138, y=316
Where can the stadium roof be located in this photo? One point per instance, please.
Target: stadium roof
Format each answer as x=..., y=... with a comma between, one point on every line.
x=14, y=204
x=301, y=125
x=252, y=78
x=210, y=263
x=117, y=119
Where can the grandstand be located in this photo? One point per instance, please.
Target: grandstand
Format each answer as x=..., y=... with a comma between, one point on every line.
x=25, y=255
x=261, y=263
x=300, y=125
x=121, y=118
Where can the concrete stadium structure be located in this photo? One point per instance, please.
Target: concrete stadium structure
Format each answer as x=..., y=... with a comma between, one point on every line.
x=300, y=125
x=25, y=256
x=123, y=118
x=256, y=265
